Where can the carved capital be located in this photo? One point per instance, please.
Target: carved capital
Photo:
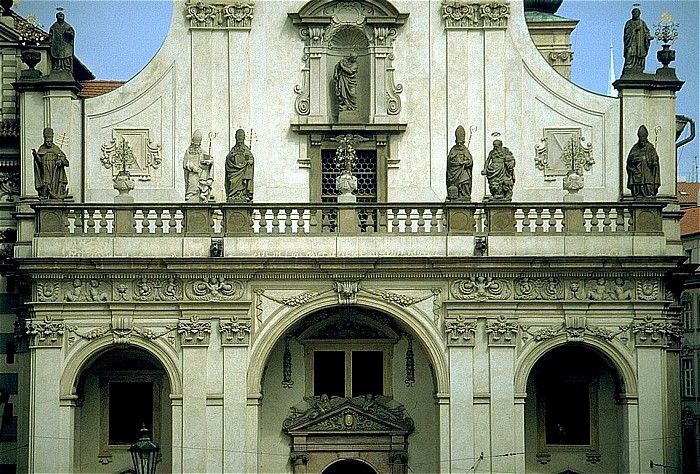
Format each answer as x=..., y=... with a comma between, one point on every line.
x=651, y=332
x=219, y=15
x=502, y=331
x=194, y=332
x=235, y=332
x=46, y=333
x=460, y=14
x=460, y=331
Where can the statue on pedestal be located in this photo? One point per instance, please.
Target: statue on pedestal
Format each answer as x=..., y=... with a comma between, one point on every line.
x=239, y=171
x=50, y=163
x=459, y=169
x=499, y=170
x=345, y=78
x=61, y=38
x=637, y=39
x=197, y=166
x=643, y=167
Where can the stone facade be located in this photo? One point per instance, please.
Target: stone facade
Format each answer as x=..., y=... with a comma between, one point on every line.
x=297, y=333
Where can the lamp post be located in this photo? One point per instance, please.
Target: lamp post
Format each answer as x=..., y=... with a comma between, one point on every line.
x=144, y=454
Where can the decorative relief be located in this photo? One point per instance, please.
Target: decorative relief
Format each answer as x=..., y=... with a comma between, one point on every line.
x=47, y=291
x=122, y=329
x=214, y=289
x=158, y=289
x=85, y=290
x=653, y=332
x=460, y=331
x=459, y=14
x=194, y=331
x=234, y=332
x=219, y=15
x=45, y=333
x=599, y=289
x=347, y=291
x=561, y=57
x=131, y=150
x=538, y=288
x=575, y=332
x=563, y=152
x=9, y=186
x=482, y=288
x=501, y=331
x=647, y=290
x=401, y=300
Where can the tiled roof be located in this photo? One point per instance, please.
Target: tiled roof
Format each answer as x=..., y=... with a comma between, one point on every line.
x=690, y=222
x=95, y=88
x=688, y=193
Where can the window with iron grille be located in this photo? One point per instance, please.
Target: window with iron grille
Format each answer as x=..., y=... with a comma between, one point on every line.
x=364, y=169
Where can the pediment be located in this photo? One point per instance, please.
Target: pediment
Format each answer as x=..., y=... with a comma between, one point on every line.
x=335, y=415
x=326, y=11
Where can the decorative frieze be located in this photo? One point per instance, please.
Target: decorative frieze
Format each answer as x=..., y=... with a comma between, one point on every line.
x=235, y=332
x=48, y=333
x=458, y=14
x=538, y=288
x=156, y=289
x=219, y=15
x=86, y=290
x=482, y=288
x=121, y=329
x=214, y=288
x=573, y=332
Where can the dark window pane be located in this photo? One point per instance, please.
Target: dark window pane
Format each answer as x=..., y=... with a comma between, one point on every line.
x=367, y=373
x=567, y=413
x=329, y=373
x=130, y=406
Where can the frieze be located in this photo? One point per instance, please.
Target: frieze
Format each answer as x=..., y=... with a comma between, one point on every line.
x=214, y=289
x=475, y=15
x=85, y=290
x=45, y=333
x=219, y=15
x=647, y=290
x=574, y=332
x=235, y=332
x=158, y=289
x=194, y=332
x=482, y=288
x=460, y=331
x=538, y=288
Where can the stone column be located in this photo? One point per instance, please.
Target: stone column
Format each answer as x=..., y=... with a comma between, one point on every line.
x=176, y=410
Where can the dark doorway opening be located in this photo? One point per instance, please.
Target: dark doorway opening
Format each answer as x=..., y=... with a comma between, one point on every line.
x=349, y=466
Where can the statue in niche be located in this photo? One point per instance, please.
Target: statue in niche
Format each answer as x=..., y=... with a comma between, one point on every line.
x=643, y=167
x=239, y=171
x=61, y=37
x=637, y=39
x=499, y=170
x=345, y=78
x=459, y=169
x=197, y=166
x=50, y=179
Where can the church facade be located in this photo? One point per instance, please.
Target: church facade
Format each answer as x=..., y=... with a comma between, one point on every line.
x=321, y=236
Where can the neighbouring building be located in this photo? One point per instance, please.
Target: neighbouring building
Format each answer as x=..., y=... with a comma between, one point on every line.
x=343, y=236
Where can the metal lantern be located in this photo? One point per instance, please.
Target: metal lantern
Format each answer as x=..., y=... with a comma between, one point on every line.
x=144, y=454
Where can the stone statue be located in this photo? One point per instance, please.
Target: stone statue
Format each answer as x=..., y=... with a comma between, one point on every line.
x=197, y=166
x=636, y=40
x=61, y=36
x=239, y=171
x=459, y=169
x=643, y=167
x=499, y=170
x=50, y=179
x=345, y=77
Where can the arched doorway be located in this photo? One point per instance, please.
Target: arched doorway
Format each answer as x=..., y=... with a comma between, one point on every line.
x=120, y=391
x=349, y=466
x=348, y=373
x=573, y=415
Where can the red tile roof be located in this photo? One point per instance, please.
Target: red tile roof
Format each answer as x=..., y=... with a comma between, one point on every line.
x=688, y=193
x=95, y=88
x=690, y=222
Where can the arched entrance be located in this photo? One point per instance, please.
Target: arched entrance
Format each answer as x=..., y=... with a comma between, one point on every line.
x=349, y=466
x=119, y=392
x=573, y=415
x=348, y=373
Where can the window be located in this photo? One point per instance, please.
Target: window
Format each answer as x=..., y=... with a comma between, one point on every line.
x=349, y=371
x=687, y=315
x=364, y=169
x=128, y=401
x=688, y=378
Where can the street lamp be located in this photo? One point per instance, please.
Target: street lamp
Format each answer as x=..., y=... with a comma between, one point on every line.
x=144, y=454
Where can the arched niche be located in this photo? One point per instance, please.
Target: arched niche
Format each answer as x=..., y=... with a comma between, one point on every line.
x=333, y=29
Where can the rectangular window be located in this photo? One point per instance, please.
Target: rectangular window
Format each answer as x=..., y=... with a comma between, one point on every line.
x=687, y=315
x=349, y=372
x=364, y=169
x=567, y=413
x=688, y=378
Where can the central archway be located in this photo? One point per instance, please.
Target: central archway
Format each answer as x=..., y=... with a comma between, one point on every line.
x=349, y=466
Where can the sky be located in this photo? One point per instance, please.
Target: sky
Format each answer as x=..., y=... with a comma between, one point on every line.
x=116, y=39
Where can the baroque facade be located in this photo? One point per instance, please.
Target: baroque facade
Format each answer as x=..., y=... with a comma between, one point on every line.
x=276, y=321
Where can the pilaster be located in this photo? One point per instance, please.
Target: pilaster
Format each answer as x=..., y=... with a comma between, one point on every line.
x=236, y=431
x=461, y=408
x=194, y=409
x=503, y=424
